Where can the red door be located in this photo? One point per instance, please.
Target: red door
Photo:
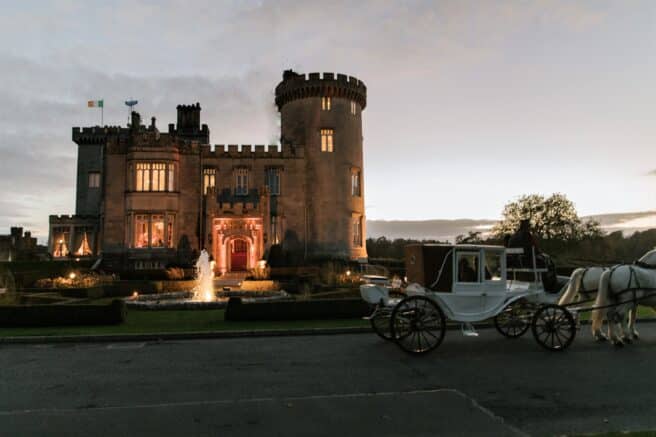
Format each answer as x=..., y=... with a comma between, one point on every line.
x=238, y=255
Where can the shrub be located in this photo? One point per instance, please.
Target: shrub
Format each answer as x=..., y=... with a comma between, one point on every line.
x=63, y=315
x=175, y=273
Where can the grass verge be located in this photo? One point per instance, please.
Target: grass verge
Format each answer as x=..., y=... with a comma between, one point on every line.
x=145, y=322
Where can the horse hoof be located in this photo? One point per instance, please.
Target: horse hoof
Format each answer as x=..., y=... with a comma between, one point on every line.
x=600, y=338
x=627, y=340
x=618, y=344
x=636, y=336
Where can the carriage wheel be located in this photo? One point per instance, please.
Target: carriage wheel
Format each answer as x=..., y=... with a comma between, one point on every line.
x=514, y=320
x=418, y=325
x=553, y=327
x=380, y=323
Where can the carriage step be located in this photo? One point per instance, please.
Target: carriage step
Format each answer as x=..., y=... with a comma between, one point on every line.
x=468, y=330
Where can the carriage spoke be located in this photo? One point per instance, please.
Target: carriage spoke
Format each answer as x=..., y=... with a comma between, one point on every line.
x=417, y=324
x=553, y=327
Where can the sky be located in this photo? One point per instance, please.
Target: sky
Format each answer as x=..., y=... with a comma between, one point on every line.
x=470, y=103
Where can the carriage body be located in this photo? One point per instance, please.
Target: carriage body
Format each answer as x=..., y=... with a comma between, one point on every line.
x=465, y=283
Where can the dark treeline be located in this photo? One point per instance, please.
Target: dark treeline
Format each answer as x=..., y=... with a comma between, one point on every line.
x=608, y=249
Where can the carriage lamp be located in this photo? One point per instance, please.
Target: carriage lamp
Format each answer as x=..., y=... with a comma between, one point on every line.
x=135, y=294
x=348, y=273
x=71, y=275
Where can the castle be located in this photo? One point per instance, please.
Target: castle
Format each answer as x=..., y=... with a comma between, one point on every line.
x=145, y=197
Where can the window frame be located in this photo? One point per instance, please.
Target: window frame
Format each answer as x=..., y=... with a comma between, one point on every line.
x=462, y=253
x=356, y=182
x=268, y=172
x=241, y=180
x=357, y=232
x=327, y=145
x=209, y=178
x=135, y=220
x=326, y=103
x=93, y=179
x=157, y=176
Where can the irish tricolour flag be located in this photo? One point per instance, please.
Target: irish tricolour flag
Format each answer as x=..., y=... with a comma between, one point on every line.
x=95, y=103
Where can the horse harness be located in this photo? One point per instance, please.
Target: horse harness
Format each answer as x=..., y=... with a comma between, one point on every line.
x=616, y=294
x=588, y=295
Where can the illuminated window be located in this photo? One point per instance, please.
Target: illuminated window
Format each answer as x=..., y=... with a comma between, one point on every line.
x=60, y=242
x=357, y=232
x=241, y=181
x=140, y=231
x=326, y=140
x=143, y=176
x=355, y=183
x=83, y=241
x=159, y=177
x=157, y=231
x=273, y=181
x=154, y=176
x=209, y=179
x=94, y=179
x=353, y=107
x=149, y=231
x=325, y=103
x=169, y=230
x=275, y=233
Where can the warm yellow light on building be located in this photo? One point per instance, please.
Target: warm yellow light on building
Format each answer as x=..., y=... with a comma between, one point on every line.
x=72, y=275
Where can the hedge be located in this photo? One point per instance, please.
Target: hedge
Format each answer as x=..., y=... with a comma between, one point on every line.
x=297, y=310
x=62, y=315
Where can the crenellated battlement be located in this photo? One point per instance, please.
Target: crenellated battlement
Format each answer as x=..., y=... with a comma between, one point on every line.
x=72, y=219
x=248, y=151
x=96, y=134
x=297, y=86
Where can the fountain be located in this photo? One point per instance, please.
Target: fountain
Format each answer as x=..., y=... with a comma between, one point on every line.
x=204, y=291
x=202, y=295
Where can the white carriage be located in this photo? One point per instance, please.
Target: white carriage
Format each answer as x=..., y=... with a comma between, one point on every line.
x=467, y=284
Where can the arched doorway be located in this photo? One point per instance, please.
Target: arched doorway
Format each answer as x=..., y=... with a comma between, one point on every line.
x=238, y=255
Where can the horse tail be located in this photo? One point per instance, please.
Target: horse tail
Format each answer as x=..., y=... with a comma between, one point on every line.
x=573, y=286
x=602, y=301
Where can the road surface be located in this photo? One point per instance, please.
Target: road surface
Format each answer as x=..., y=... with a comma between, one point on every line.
x=346, y=385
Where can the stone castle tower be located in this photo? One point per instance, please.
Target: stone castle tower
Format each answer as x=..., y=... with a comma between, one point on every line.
x=324, y=114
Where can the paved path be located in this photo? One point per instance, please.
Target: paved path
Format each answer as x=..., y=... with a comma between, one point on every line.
x=326, y=385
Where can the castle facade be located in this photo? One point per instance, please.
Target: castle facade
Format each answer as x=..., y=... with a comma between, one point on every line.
x=145, y=198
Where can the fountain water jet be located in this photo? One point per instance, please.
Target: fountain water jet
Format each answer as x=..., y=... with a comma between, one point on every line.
x=204, y=290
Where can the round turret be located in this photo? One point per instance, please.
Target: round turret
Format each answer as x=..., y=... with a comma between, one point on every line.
x=323, y=114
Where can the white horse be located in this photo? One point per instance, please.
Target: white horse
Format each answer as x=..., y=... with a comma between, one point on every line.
x=582, y=287
x=582, y=284
x=621, y=289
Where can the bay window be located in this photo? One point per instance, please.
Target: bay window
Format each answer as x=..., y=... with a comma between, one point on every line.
x=154, y=176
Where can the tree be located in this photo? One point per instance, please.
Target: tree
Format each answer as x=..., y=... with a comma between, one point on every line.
x=472, y=237
x=552, y=218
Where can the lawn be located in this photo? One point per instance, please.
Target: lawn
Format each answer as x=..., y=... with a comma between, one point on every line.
x=144, y=322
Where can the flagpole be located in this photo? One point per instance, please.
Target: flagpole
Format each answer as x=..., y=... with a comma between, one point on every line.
x=102, y=114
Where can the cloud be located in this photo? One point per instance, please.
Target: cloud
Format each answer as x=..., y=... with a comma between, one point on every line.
x=41, y=103
x=446, y=76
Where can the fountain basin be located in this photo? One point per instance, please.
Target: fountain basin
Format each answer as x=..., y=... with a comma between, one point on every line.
x=184, y=300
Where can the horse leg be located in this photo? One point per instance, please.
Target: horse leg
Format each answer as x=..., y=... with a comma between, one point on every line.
x=597, y=321
x=625, y=322
x=632, y=322
x=615, y=326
